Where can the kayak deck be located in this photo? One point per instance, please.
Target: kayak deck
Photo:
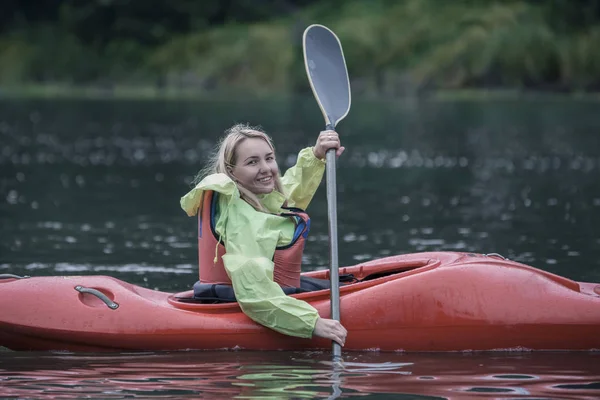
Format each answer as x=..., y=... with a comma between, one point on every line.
x=438, y=301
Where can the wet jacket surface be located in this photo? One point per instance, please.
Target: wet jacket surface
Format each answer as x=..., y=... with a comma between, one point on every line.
x=251, y=236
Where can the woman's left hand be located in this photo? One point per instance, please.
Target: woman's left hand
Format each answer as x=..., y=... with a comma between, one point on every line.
x=327, y=140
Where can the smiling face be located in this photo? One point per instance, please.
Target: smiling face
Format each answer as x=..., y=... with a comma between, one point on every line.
x=255, y=166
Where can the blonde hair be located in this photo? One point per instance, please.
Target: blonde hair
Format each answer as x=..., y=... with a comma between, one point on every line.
x=224, y=157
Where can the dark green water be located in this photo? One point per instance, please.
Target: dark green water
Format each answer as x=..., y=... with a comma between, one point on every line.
x=93, y=187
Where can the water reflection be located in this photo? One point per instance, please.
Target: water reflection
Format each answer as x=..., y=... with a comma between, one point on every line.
x=300, y=375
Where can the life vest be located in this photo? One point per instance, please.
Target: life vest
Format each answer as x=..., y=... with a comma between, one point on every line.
x=287, y=259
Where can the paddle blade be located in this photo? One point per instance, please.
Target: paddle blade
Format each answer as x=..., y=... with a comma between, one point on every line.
x=327, y=72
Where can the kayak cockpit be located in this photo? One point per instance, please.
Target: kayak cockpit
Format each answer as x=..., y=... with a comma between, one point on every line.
x=312, y=283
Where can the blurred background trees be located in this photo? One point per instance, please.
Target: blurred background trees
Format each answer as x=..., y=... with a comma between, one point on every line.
x=392, y=47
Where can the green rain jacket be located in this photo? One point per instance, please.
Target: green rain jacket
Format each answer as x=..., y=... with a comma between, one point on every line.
x=251, y=237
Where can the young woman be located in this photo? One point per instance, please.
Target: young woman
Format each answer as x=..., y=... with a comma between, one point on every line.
x=259, y=217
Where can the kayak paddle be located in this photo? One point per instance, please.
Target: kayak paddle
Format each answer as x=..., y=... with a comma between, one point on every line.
x=328, y=77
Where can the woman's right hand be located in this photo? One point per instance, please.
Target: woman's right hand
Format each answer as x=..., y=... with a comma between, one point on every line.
x=330, y=329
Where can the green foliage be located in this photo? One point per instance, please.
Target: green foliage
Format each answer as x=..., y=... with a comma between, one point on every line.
x=255, y=57
x=416, y=45
x=15, y=60
x=391, y=47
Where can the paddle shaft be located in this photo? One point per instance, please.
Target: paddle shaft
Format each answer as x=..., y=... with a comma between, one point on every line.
x=330, y=158
x=328, y=77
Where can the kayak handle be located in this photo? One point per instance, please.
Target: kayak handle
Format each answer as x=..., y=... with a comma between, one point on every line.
x=109, y=303
x=495, y=255
x=11, y=276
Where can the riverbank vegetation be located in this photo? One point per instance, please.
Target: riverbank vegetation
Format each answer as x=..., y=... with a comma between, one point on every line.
x=392, y=48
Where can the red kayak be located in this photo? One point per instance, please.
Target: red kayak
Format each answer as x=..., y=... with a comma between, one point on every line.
x=437, y=301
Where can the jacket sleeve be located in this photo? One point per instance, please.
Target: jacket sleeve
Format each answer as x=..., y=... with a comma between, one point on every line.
x=302, y=180
x=250, y=246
